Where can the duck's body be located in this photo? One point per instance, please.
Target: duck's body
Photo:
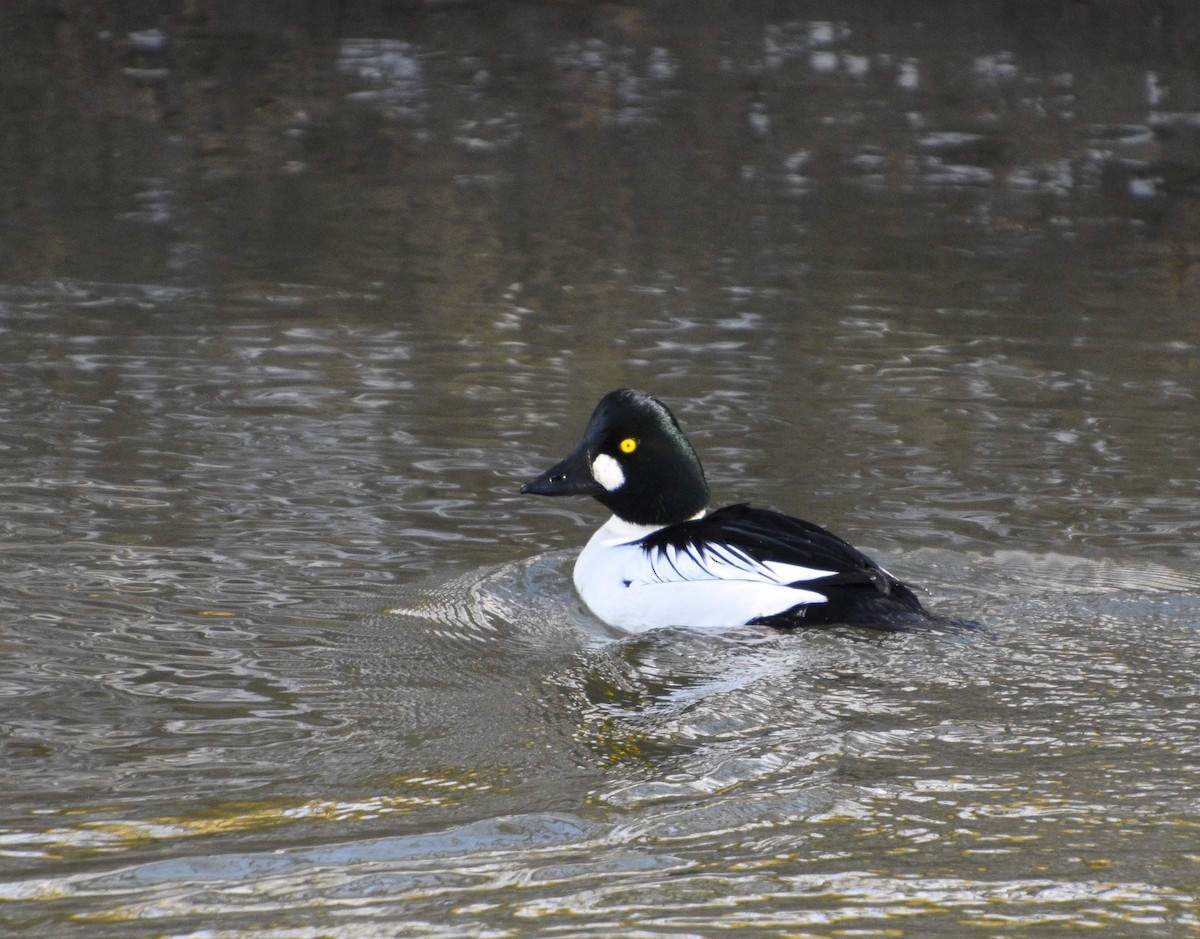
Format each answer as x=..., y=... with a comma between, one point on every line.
x=738, y=565
x=664, y=560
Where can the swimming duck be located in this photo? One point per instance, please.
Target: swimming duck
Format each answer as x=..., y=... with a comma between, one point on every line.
x=664, y=559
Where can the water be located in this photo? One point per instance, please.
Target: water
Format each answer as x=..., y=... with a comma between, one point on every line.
x=289, y=312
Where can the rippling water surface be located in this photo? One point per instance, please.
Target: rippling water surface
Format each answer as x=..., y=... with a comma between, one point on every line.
x=286, y=654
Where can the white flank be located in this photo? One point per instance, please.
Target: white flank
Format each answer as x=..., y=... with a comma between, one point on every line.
x=631, y=589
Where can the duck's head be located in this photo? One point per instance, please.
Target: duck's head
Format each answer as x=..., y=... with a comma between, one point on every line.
x=635, y=460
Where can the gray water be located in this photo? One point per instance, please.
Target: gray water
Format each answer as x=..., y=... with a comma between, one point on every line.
x=291, y=302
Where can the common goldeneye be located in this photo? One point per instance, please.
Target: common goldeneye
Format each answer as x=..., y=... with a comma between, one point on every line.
x=664, y=560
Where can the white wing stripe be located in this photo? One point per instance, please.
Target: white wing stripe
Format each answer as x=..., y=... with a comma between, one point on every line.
x=723, y=562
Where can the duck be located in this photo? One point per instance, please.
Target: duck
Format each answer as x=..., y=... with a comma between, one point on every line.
x=666, y=559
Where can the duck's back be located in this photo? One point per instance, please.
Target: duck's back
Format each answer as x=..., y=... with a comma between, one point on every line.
x=836, y=582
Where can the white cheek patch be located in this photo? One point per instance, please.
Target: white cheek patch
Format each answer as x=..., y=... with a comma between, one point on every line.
x=608, y=473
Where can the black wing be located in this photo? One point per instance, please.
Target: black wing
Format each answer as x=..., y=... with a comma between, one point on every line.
x=772, y=536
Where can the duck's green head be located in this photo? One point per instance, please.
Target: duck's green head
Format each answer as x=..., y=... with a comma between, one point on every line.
x=635, y=460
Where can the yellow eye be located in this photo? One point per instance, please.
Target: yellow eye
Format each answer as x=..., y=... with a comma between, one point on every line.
x=628, y=445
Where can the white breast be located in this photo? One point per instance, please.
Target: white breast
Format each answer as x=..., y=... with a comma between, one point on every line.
x=627, y=587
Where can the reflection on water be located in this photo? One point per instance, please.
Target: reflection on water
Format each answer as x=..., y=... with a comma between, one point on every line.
x=290, y=309
x=747, y=777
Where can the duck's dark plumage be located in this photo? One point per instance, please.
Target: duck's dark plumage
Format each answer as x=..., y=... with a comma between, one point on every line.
x=859, y=591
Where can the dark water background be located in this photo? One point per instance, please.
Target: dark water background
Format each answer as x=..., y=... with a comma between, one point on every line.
x=293, y=299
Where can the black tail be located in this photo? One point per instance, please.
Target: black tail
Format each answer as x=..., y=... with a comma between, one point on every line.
x=864, y=606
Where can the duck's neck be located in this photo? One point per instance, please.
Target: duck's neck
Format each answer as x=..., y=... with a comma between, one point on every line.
x=618, y=528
